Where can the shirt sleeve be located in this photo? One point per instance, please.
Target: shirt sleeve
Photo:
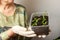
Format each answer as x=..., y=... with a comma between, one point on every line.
x=22, y=16
x=4, y=35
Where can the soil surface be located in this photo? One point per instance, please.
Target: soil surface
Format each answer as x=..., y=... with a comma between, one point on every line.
x=40, y=30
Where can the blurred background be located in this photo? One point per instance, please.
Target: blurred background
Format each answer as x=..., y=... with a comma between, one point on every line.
x=53, y=9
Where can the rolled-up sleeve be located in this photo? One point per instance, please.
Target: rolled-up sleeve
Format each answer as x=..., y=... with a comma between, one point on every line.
x=22, y=16
x=4, y=36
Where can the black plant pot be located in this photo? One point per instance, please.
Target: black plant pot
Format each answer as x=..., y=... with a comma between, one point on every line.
x=39, y=28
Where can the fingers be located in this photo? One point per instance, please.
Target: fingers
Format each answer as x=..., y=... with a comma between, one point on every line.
x=32, y=35
x=22, y=29
x=42, y=36
x=39, y=36
x=26, y=33
x=29, y=28
x=29, y=32
x=18, y=28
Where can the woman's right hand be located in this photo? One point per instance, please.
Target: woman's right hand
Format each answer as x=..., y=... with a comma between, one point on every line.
x=23, y=31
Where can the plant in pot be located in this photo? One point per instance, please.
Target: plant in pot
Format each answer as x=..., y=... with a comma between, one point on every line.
x=39, y=23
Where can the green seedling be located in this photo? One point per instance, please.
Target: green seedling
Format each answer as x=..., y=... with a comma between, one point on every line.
x=44, y=22
x=35, y=21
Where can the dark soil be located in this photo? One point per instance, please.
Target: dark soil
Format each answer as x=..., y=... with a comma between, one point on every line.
x=39, y=23
x=40, y=30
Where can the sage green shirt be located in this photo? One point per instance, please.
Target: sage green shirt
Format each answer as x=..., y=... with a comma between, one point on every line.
x=19, y=18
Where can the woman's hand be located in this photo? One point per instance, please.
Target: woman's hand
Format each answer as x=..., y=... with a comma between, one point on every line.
x=23, y=31
x=39, y=36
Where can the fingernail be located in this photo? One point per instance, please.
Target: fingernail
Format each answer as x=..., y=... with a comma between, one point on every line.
x=43, y=36
x=39, y=36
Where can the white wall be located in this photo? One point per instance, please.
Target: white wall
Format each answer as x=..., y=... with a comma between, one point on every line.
x=53, y=9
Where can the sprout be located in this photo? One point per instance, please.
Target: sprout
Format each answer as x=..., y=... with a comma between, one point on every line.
x=40, y=19
x=35, y=21
x=44, y=22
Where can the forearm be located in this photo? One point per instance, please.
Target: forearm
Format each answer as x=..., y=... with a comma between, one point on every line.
x=10, y=33
x=7, y=34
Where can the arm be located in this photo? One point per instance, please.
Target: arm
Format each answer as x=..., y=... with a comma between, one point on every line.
x=7, y=34
x=16, y=30
x=21, y=30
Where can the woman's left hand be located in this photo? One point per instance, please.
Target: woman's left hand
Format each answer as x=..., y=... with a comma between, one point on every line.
x=23, y=31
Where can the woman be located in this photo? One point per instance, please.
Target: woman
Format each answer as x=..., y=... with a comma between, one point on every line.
x=13, y=21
